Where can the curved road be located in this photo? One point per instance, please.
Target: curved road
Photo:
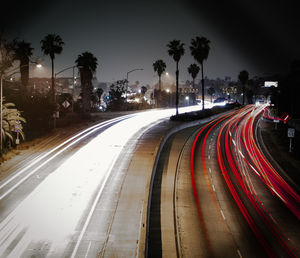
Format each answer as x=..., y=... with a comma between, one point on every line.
x=66, y=201
x=228, y=200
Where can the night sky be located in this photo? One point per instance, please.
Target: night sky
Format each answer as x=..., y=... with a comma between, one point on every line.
x=261, y=37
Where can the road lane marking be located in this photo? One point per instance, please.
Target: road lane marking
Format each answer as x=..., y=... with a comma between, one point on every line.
x=208, y=156
x=213, y=188
x=209, y=169
x=88, y=249
x=239, y=253
x=223, y=215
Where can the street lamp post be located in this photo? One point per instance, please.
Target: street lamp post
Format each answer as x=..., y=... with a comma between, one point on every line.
x=137, y=69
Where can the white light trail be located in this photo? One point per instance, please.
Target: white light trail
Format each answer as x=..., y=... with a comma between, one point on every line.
x=52, y=211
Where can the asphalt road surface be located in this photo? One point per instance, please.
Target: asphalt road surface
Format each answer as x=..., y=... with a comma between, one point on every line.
x=220, y=196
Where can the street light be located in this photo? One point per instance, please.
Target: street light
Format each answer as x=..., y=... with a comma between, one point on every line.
x=12, y=72
x=137, y=69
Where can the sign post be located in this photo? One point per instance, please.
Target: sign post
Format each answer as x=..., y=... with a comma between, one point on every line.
x=276, y=121
x=291, y=134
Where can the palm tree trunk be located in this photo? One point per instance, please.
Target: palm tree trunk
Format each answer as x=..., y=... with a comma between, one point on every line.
x=194, y=93
x=52, y=82
x=202, y=82
x=243, y=93
x=159, y=83
x=177, y=97
x=53, y=93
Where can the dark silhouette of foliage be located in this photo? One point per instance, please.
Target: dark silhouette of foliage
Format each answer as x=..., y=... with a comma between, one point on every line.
x=176, y=50
x=200, y=50
x=193, y=70
x=143, y=90
x=243, y=78
x=159, y=66
x=211, y=91
x=6, y=54
x=98, y=94
x=116, y=98
x=52, y=45
x=23, y=52
x=87, y=65
x=289, y=91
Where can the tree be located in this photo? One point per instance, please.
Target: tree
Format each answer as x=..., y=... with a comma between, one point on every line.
x=23, y=52
x=143, y=90
x=116, y=98
x=6, y=61
x=200, y=49
x=243, y=78
x=99, y=93
x=87, y=65
x=176, y=50
x=159, y=66
x=6, y=55
x=12, y=121
x=193, y=70
x=52, y=45
x=211, y=91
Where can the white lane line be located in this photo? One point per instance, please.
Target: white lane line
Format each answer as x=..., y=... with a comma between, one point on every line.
x=223, y=215
x=239, y=253
x=208, y=156
x=209, y=169
x=213, y=188
x=88, y=249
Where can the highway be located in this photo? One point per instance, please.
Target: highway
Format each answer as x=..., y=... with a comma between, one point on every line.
x=63, y=202
x=141, y=185
x=228, y=200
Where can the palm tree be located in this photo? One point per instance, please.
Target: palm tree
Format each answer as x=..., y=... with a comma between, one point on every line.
x=159, y=66
x=243, y=78
x=87, y=65
x=200, y=49
x=176, y=50
x=23, y=52
x=52, y=45
x=211, y=91
x=193, y=70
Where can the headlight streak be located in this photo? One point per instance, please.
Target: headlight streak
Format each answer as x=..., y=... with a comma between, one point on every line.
x=249, y=191
x=73, y=140
x=51, y=213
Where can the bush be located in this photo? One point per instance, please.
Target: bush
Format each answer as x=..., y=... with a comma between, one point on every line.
x=196, y=115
